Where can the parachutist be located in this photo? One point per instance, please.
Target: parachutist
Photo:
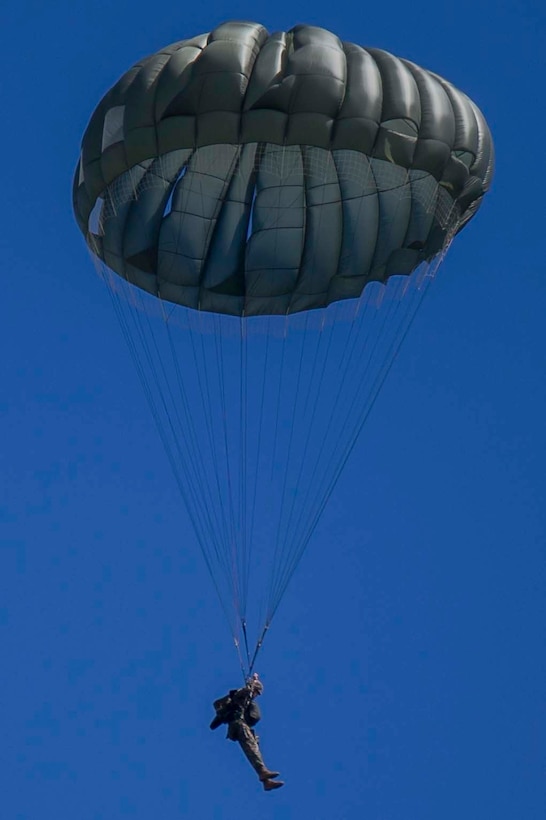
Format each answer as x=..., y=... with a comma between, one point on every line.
x=241, y=713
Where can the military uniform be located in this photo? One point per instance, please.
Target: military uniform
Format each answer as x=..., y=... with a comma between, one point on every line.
x=240, y=712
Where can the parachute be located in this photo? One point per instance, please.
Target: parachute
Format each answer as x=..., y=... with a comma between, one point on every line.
x=268, y=211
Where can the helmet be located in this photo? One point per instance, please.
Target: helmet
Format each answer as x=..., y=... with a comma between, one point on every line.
x=255, y=684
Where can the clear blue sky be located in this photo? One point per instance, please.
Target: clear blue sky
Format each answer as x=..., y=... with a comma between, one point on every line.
x=405, y=673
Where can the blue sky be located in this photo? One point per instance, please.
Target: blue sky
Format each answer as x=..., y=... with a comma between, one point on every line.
x=405, y=672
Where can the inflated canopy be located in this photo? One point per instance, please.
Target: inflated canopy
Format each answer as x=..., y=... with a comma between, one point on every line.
x=245, y=173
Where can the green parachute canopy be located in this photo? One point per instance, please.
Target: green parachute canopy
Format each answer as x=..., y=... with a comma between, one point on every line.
x=245, y=173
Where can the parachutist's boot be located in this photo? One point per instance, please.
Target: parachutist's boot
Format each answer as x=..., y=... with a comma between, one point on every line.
x=267, y=775
x=269, y=785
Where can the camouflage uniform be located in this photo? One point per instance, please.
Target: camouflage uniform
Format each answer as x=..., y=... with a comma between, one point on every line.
x=240, y=731
x=239, y=711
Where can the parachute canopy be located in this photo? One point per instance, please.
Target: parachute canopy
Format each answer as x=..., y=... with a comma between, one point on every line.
x=245, y=173
x=280, y=203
